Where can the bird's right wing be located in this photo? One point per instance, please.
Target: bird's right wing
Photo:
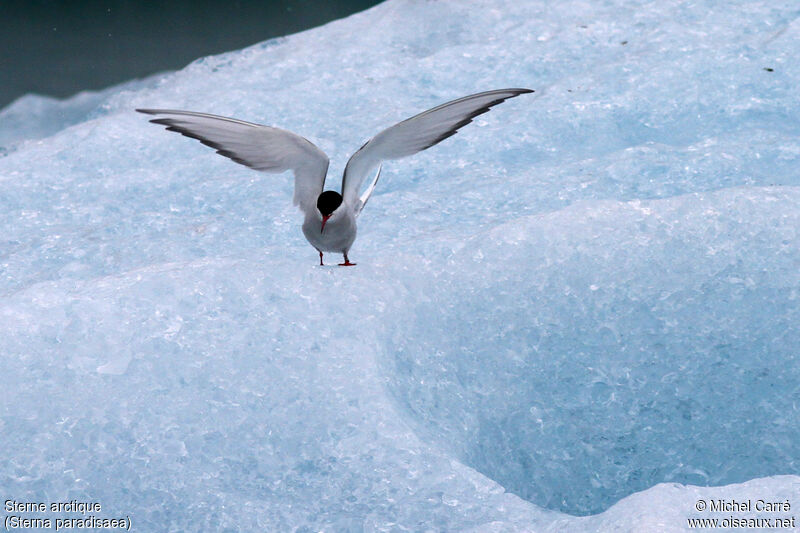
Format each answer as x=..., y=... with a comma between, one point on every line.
x=414, y=135
x=259, y=147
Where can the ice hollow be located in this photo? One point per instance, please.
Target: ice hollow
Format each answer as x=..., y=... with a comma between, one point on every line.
x=584, y=303
x=575, y=368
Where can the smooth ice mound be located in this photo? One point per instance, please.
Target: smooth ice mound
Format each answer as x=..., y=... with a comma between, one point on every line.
x=585, y=303
x=32, y=117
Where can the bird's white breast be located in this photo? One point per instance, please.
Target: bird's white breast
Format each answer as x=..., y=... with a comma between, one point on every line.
x=339, y=234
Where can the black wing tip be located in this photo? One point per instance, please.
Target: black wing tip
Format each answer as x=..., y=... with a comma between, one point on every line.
x=171, y=126
x=480, y=111
x=516, y=92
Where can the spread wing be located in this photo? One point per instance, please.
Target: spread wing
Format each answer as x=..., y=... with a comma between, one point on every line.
x=259, y=147
x=414, y=135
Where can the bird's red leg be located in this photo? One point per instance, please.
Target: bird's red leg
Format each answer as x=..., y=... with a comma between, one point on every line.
x=347, y=262
x=320, y=259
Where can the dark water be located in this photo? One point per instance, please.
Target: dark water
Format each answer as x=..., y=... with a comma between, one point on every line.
x=59, y=48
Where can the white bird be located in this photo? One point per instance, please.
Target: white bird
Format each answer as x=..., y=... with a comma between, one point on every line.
x=330, y=217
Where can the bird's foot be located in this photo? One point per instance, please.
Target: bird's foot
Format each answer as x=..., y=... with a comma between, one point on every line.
x=347, y=264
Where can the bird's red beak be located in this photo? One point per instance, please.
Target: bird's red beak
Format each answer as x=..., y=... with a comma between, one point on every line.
x=324, y=220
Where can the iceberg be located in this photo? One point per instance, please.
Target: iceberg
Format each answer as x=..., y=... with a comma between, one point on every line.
x=577, y=314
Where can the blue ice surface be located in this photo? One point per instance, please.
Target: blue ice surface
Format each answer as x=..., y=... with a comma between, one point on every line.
x=578, y=314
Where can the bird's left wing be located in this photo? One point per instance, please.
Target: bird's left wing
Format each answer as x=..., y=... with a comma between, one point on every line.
x=414, y=135
x=259, y=147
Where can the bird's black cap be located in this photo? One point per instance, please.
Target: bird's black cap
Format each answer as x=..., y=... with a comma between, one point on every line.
x=328, y=201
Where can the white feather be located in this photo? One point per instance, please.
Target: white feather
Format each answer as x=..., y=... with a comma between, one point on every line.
x=259, y=147
x=414, y=135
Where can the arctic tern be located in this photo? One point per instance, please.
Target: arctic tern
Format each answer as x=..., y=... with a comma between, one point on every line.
x=330, y=217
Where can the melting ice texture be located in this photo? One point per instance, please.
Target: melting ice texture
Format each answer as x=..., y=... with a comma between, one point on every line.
x=578, y=314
